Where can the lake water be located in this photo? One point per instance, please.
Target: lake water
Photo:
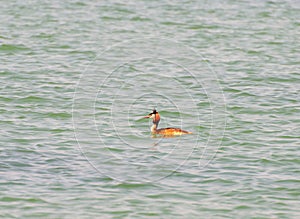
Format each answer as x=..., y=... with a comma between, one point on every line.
x=78, y=76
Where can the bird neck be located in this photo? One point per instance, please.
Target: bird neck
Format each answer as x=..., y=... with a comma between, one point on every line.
x=154, y=126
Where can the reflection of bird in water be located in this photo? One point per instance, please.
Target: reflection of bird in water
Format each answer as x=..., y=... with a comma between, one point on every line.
x=165, y=131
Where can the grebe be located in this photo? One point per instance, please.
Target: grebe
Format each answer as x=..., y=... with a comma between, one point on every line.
x=166, y=131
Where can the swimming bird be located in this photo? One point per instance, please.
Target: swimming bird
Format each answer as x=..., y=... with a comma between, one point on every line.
x=165, y=131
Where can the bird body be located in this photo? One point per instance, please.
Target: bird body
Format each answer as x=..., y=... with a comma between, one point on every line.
x=164, y=131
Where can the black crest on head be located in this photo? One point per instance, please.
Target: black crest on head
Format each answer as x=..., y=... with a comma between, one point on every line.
x=153, y=112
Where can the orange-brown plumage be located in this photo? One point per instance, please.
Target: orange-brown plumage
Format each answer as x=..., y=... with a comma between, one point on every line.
x=164, y=131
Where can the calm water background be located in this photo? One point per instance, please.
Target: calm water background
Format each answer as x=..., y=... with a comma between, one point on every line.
x=77, y=76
